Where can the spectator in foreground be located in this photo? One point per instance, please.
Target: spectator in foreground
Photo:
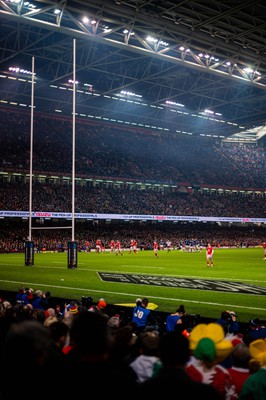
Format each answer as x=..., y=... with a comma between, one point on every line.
x=143, y=364
x=174, y=355
x=240, y=371
x=254, y=388
x=25, y=353
x=209, y=348
x=88, y=360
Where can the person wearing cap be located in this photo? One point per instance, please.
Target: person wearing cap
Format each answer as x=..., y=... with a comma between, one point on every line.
x=74, y=304
x=209, y=348
x=257, y=329
x=100, y=308
x=102, y=304
x=228, y=320
x=73, y=309
x=254, y=386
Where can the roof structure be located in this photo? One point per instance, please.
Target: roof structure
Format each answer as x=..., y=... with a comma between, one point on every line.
x=187, y=67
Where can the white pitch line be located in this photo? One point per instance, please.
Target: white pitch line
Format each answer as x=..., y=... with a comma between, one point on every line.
x=143, y=266
x=60, y=262
x=11, y=264
x=136, y=295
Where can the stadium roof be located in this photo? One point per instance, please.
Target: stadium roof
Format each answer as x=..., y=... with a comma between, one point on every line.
x=191, y=67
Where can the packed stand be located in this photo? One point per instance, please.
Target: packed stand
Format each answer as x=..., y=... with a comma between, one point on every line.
x=112, y=151
x=97, y=342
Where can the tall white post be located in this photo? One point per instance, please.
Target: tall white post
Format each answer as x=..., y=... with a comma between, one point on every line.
x=31, y=147
x=72, y=246
x=29, y=245
x=73, y=140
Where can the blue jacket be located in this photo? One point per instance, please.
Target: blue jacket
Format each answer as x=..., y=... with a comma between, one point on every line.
x=140, y=316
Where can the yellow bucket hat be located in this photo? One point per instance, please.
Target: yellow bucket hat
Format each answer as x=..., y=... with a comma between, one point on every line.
x=202, y=349
x=258, y=351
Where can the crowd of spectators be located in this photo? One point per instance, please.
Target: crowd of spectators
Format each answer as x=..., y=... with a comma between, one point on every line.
x=14, y=233
x=102, y=344
x=247, y=159
x=112, y=151
x=49, y=197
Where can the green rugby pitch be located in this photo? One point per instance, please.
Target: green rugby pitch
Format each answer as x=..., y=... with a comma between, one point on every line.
x=231, y=266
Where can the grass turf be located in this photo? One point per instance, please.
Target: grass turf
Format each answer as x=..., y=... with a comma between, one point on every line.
x=50, y=272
